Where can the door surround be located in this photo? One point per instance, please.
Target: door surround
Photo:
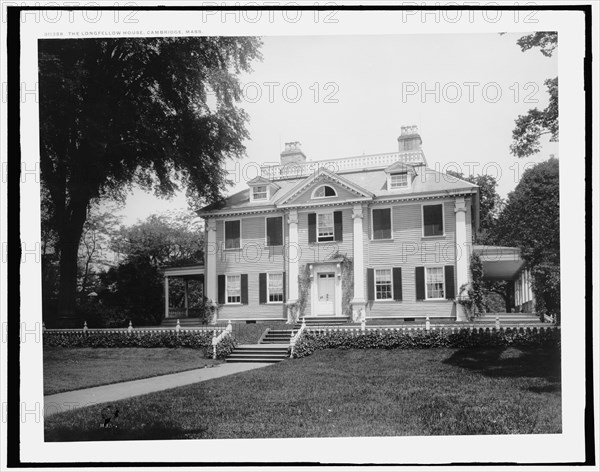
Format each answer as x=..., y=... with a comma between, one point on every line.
x=325, y=267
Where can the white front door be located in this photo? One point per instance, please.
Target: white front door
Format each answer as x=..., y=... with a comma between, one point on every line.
x=325, y=293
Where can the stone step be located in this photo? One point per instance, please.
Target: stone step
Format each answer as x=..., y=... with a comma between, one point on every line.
x=263, y=350
x=270, y=360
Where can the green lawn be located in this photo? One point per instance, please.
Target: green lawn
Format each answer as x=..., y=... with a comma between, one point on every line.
x=338, y=393
x=74, y=368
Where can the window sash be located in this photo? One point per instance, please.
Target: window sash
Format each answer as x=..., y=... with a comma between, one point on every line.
x=382, y=223
x=433, y=220
x=383, y=284
x=275, y=231
x=275, y=288
x=321, y=192
x=233, y=291
x=434, y=283
x=325, y=227
x=259, y=192
x=232, y=234
x=399, y=180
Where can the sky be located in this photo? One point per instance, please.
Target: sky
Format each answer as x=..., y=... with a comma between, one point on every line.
x=343, y=96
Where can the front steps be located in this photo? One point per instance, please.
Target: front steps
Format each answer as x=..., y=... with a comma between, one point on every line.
x=270, y=353
x=276, y=336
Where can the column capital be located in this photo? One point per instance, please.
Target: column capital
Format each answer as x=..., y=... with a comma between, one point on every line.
x=357, y=212
x=211, y=224
x=293, y=217
x=460, y=205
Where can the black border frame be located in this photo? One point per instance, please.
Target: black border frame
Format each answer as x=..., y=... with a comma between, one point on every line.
x=14, y=242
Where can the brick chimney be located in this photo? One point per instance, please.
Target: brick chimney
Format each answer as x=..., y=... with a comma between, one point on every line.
x=292, y=153
x=409, y=139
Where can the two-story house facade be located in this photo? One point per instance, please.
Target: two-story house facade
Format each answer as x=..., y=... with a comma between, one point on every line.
x=369, y=237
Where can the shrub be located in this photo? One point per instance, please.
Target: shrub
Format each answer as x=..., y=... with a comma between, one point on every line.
x=150, y=339
x=224, y=348
x=310, y=341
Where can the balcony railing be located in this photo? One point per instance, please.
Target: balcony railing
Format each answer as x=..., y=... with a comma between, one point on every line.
x=373, y=161
x=185, y=312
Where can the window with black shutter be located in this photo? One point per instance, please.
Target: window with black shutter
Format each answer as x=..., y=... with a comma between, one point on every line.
x=397, y=278
x=420, y=282
x=382, y=223
x=338, y=227
x=433, y=220
x=275, y=231
x=232, y=234
x=370, y=285
x=244, y=287
x=312, y=227
x=449, y=276
x=262, y=288
x=221, y=289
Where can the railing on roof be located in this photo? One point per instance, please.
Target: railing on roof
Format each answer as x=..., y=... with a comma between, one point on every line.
x=294, y=170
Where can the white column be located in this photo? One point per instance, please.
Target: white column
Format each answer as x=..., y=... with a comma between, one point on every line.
x=293, y=255
x=166, y=296
x=463, y=253
x=210, y=274
x=358, y=302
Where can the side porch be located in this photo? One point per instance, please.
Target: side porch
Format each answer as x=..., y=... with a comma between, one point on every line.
x=184, y=289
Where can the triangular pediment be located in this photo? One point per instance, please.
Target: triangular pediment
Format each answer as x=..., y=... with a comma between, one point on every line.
x=304, y=191
x=260, y=180
x=400, y=166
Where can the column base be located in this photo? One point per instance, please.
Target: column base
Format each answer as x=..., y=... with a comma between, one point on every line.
x=359, y=309
x=292, y=315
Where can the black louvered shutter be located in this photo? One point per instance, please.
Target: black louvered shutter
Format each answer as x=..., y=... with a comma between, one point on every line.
x=221, y=289
x=338, y=227
x=284, y=294
x=312, y=227
x=370, y=284
x=244, y=287
x=262, y=288
x=420, y=282
x=449, y=275
x=397, y=271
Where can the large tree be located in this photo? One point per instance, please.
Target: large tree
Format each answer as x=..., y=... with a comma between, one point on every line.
x=530, y=128
x=530, y=220
x=121, y=111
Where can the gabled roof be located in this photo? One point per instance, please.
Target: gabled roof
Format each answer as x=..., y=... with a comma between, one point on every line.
x=317, y=178
x=260, y=180
x=400, y=167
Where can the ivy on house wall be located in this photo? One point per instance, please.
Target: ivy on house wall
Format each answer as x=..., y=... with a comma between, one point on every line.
x=472, y=295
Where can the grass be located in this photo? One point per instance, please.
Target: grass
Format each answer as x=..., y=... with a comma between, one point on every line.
x=347, y=393
x=74, y=368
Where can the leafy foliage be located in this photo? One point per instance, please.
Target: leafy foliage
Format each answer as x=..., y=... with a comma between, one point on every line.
x=536, y=123
x=530, y=220
x=122, y=338
x=310, y=341
x=158, y=112
x=224, y=348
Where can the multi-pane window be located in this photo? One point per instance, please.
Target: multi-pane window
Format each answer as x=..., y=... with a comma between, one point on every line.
x=275, y=287
x=259, y=192
x=434, y=282
x=234, y=289
x=382, y=223
x=383, y=284
x=325, y=227
x=433, y=220
x=232, y=234
x=399, y=180
x=275, y=231
x=325, y=191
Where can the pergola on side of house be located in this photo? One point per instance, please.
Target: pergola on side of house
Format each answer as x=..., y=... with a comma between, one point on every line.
x=505, y=263
x=187, y=273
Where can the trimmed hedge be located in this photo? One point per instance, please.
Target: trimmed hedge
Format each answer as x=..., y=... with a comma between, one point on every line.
x=310, y=341
x=78, y=338
x=224, y=348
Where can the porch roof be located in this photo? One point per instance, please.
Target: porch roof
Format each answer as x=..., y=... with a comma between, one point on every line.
x=183, y=270
x=499, y=262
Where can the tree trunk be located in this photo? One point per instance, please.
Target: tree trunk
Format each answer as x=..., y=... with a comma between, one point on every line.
x=70, y=236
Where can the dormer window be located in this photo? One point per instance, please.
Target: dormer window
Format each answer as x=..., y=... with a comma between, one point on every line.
x=259, y=192
x=324, y=191
x=399, y=180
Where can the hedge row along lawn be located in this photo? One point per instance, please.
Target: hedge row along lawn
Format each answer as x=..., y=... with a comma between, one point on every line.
x=347, y=393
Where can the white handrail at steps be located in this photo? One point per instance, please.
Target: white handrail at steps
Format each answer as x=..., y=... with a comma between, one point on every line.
x=296, y=336
x=217, y=339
